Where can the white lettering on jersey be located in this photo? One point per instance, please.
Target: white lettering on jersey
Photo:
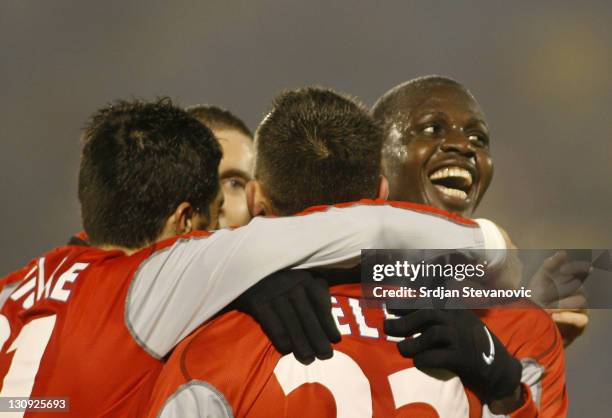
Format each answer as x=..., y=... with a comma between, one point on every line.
x=391, y=316
x=337, y=313
x=364, y=329
x=59, y=291
x=37, y=287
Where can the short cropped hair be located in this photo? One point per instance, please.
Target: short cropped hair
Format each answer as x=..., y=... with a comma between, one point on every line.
x=391, y=106
x=139, y=161
x=217, y=118
x=316, y=147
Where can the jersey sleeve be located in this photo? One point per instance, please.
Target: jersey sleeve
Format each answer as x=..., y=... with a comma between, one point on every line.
x=546, y=376
x=180, y=287
x=196, y=399
x=539, y=347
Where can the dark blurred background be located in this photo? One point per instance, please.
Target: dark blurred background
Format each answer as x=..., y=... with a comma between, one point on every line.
x=541, y=72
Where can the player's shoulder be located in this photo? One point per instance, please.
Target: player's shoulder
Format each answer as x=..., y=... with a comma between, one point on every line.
x=221, y=358
x=222, y=334
x=43, y=279
x=162, y=247
x=401, y=205
x=168, y=254
x=169, y=242
x=51, y=259
x=519, y=314
x=236, y=343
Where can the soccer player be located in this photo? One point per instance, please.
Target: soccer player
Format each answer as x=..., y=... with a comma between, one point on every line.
x=236, y=166
x=436, y=152
x=317, y=148
x=94, y=323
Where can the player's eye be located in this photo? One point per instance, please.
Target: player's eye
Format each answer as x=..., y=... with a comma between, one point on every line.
x=432, y=129
x=480, y=140
x=234, y=183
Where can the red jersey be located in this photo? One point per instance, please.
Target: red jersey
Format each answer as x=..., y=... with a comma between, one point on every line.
x=212, y=373
x=531, y=336
x=247, y=377
x=64, y=334
x=93, y=326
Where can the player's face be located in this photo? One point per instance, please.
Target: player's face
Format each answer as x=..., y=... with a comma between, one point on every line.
x=235, y=171
x=440, y=154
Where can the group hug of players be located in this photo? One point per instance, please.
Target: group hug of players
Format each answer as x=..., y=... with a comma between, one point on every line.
x=173, y=302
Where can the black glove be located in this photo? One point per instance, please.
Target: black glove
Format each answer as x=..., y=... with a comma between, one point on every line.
x=294, y=310
x=457, y=340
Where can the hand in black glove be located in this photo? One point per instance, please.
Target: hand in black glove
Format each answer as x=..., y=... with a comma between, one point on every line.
x=294, y=310
x=457, y=340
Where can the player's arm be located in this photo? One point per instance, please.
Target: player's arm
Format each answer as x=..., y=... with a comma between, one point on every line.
x=543, y=371
x=521, y=404
x=543, y=361
x=523, y=380
x=458, y=340
x=182, y=286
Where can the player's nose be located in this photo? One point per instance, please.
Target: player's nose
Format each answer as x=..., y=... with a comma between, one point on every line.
x=458, y=143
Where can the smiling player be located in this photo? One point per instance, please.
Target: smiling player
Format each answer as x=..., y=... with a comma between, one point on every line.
x=436, y=151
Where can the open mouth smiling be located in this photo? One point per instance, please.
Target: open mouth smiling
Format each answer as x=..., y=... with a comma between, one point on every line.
x=455, y=181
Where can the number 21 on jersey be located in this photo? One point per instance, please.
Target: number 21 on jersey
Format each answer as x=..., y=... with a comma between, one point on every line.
x=29, y=347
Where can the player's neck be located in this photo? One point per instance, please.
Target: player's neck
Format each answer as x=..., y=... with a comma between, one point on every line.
x=168, y=232
x=127, y=251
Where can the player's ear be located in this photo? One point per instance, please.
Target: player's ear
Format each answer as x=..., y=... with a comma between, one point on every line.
x=383, y=188
x=182, y=219
x=179, y=222
x=257, y=201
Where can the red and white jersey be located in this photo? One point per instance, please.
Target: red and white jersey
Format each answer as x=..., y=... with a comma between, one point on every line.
x=63, y=334
x=228, y=368
x=215, y=374
x=94, y=326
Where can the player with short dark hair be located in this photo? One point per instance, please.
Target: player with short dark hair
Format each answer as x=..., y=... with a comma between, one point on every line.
x=436, y=152
x=236, y=166
x=329, y=140
x=217, y=119
x=436, y=146
x=131, y=152
x=327, y=164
